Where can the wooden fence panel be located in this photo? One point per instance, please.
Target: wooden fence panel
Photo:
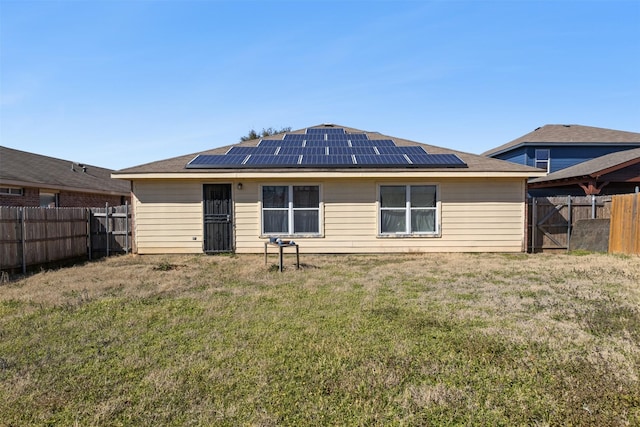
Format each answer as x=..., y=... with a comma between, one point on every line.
x=624, y=232
x=32, y=236
x=551, y=219
x=10, y=238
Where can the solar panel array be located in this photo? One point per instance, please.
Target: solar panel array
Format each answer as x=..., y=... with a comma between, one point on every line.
x=326, y=147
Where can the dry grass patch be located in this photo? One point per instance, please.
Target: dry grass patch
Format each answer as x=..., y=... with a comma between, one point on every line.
x=412, y=339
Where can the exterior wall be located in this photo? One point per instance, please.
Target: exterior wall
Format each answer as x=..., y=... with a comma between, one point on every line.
x=477, y=215
x=66, y=199
x=561, y=157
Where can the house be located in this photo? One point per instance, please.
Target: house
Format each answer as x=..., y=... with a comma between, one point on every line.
x=614, y=173
x=331, y=189
x=555, y=147
x=28, y=179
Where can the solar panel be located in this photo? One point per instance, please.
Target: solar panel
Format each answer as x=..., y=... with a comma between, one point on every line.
x=294, y=137
x=218, y=160
x=302, y=150
x=264, y=160
x=437, y=160
x=402, y=150
x=351, y=150
x=327, y=131
x=381, y=142
x=381, y=160
x=279, y=143
x=251, y=150
x=324, y=143
x=357, y=136
x=312, y=160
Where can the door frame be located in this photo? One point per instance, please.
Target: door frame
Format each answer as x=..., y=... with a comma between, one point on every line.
x=231, y=218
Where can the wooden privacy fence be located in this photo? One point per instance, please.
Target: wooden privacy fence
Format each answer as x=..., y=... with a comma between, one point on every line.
x=38, y=236
x=551, y=219
x=624, y=231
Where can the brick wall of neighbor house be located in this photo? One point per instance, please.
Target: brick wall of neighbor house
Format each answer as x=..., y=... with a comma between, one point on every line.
x=66, y=199
x=30, y=197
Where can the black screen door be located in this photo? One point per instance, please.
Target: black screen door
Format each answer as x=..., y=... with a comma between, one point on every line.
x=217, y=218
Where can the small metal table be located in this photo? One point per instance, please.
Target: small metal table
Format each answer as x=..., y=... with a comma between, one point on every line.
x=281, y=245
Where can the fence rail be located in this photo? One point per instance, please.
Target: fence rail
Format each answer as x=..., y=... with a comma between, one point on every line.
x=624, y=231
x=38, y=236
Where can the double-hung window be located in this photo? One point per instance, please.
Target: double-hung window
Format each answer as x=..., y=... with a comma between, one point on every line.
x=408, y=210
x=542, y=159
x=291, y=209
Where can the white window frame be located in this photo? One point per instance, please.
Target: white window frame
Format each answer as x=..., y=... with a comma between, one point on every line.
x=12, y=191
x=290, y=209
x=546, y=162
x=408, y=209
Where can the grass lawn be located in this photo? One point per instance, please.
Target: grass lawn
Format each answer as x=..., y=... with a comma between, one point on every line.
x=437, y=339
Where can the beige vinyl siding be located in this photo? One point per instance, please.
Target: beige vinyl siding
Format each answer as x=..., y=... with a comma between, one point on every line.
x=168, y=215
x=477, y=214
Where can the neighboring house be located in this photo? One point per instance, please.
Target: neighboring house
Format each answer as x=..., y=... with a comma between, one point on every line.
x=332, y=190
x=555, y=147
x=615, y=173
x=28, y=179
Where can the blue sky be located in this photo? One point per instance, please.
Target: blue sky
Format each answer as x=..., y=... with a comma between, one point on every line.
x=121, y=83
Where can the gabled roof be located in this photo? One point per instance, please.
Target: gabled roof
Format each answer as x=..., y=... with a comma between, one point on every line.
x=21, y=168
x=593, y=168
x=474, y=163
x=571, y=135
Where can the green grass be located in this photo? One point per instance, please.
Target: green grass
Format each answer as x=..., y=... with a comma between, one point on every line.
x=354, y=340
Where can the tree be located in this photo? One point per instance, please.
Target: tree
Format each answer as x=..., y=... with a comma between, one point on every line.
x=265, y=132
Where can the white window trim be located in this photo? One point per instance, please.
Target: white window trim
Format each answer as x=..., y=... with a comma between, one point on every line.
x=547, y=161
x=290, y=211
x=437, y=208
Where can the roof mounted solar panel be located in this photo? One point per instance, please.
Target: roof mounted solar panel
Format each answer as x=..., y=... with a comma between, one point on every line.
x=357, y=136
x=302, y=150
x=252, y=150
x=373, y=143
x=325, y=131
x=413, y=149
x=386, y=160
x=205, y=161
x=324, y=161
x=279, y=143
x=352, y=150
x=294, y=137
x=333, y=143
x=436, y=161
x=271, y=161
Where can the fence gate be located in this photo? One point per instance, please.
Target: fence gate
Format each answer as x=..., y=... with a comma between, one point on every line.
x=218, y=226
x=551, y=219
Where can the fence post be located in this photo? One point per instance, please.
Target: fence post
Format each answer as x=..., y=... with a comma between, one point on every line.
x=534, y=224
x=568, y=222
x=90, y=249
x=593, y=206
x=126, y=227
x=106, y=225
x=23, y=241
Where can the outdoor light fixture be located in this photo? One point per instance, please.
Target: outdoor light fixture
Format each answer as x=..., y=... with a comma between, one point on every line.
x=239, y=186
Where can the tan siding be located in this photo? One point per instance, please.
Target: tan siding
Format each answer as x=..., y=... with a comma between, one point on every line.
x=168, y=217
x=476, y=215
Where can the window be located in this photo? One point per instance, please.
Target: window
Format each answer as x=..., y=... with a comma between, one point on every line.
x=291, y=209
x=542, y=159
x=408, y=209
x=48, y=200
x=12, y=191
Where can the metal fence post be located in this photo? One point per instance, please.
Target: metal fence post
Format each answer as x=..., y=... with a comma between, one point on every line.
x=126, y=226
x=593, y=206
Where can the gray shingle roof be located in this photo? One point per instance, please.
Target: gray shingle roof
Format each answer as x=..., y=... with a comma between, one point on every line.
x=592, y=167
x=570, y=134
x=42, y=171
x=474, y=162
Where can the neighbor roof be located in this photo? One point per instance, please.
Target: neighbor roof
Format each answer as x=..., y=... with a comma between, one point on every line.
x=474, y=163
x=34, y=170
x=594, y=167
x=569, y=134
